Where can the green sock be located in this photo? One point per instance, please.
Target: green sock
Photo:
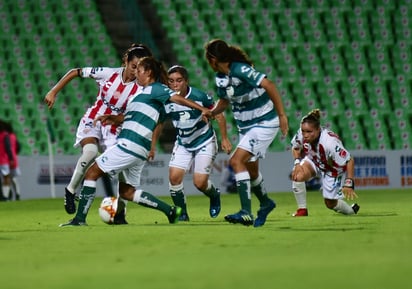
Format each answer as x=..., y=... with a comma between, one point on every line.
x=260, y=191
x=179, y=199
x=86, y=198
x=243, y=189
x=211, y=190
x=150, y=201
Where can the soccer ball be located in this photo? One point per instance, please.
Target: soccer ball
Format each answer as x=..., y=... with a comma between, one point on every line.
x=107, y=209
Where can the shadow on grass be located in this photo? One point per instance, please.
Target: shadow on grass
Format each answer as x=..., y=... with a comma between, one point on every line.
x=324, y=229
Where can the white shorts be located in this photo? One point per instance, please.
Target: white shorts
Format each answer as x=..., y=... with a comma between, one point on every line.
x=331, y=186
x=102, y=133
x=5, y=171
x=203, y=158
x=258, y=139
x=116, y=161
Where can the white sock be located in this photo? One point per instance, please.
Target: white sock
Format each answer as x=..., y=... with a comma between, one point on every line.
x=299, y=190
x=6, y=191
x=343, y=208
x=88, y=155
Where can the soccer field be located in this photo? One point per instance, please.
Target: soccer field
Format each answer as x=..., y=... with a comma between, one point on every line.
x=325, y=250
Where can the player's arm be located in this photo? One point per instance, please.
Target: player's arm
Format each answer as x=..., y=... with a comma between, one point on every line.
x=220, y=107
x=274, y=95
x=176, y=98
x=225, y=142
x=50, y=97
x=109, y=119
x=155, y=137
x=348, y=188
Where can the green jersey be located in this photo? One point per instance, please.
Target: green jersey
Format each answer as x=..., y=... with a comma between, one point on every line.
x=192, y=131
x=142, y=114
x=250, y=102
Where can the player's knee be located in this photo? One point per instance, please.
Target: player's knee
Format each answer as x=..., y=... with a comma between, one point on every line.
x=330, y=204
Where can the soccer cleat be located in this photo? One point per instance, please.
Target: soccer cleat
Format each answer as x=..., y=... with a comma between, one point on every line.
x=214, y=208
x=69, y=204
x=174, y=214
x=184, y=217
x=120, y=218
x=355, y=208
x=263, y=212
x=301, y=213
x=73, y=223
x=241, y=217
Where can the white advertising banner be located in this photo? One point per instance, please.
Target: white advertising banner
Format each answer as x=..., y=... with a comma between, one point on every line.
x=373, y=169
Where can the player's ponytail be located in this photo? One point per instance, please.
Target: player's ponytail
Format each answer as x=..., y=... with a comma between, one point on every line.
x=158, y=72
x=223, y=52
x=312, y=117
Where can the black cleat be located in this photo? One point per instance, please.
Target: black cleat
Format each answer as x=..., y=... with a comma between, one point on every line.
x=120, y=218
x=73, y=223
x=355, y=208
x=241, y=217
x=174, y=214
x=69, y=204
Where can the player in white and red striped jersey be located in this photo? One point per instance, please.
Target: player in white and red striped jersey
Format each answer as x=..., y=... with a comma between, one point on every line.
x=116, y=87
x=325, y=156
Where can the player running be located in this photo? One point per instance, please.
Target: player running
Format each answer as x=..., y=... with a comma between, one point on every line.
x=259, y=113
x=196, y=143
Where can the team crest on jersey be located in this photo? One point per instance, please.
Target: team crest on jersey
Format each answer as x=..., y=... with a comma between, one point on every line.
x=184, y=116
x=116, y=94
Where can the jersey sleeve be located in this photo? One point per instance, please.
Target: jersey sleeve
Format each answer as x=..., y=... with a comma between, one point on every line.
x=247, y=73
x=99, y=74
x=338, y=152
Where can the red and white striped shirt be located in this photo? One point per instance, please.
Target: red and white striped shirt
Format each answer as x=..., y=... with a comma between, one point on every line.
x=113, y=93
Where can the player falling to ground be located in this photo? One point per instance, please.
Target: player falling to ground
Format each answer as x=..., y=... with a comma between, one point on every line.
x=196, y=143
x=326, y=156
x=258, y=111
x=116, y=86
x=128, y=157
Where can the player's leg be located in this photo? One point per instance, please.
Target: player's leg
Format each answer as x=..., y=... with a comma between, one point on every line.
x=202, y=167
x=89, y=153
x=238, y=161
x=333, y=196
x=180, y=161
x=299, y=190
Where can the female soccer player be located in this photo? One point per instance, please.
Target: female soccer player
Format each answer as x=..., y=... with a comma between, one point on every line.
x=326, y=156
x=258, y=111
x=128, y=157
x=195, y=143
x=116, y=85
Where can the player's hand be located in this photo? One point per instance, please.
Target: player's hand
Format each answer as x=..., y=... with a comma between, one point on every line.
x=283, y=123
x=151, y=155
x=349, y=193
x=49, y=99
x=226, y=145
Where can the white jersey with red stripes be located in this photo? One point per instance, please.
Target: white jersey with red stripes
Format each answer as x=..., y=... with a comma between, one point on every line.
x=329, y=155
x=113, y=93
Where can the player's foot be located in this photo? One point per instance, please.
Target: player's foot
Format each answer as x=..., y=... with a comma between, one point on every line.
x=73, y=223
x=69, y=204
x=241, y=217
x=355, y=208
x=263, y=213
x=174, y=214
x=184, y=218
x=214, y=208
x=301, y=213
x=120, y=218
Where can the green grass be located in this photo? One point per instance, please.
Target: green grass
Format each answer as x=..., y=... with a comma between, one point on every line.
x=326, y=250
